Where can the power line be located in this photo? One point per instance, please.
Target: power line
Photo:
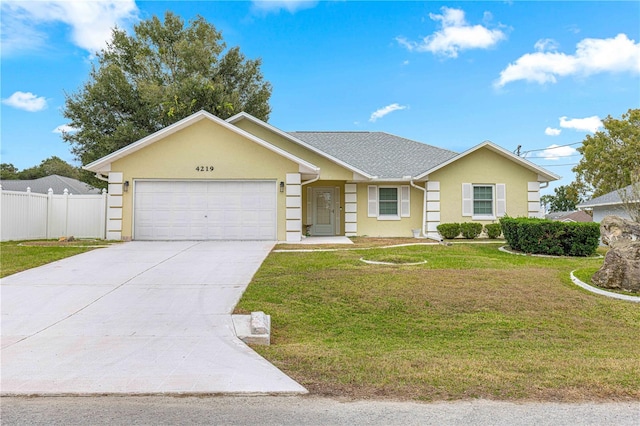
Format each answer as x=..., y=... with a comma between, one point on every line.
x=554, y=147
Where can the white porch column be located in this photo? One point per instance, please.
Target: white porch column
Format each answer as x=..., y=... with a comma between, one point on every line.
x=294, y=207
x=433, y=209
x=350, y=209
x=114, y=206
x=533, y=199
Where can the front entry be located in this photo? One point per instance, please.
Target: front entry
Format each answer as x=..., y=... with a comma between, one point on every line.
x=323, y=211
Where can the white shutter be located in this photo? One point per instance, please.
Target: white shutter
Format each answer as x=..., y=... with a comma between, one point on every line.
x=309, y=206
x=373, y=201
x=405, y=202
x=467, y=199
x=501, y=199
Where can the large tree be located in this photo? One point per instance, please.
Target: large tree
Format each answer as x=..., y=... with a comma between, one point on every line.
x=611, y=157
x=161, y=73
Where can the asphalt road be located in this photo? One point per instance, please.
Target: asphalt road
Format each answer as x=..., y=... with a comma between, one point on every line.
x=305, y=410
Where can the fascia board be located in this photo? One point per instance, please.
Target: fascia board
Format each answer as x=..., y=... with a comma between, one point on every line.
x=102, y=163
x=499, y=150
x=295, y=140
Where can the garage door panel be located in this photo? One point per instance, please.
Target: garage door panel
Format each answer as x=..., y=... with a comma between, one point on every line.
x=205, y=210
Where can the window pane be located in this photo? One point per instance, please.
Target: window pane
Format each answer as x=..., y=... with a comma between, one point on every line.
x=388, y=201
x=388, y=194
x=483, y=200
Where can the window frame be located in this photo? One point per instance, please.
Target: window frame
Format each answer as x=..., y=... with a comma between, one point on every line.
x=387, y=216
x=492, y=201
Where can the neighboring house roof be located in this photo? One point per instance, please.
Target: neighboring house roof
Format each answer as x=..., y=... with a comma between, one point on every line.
x=103, y=165
x=572, y=216
x=543, y=174
x=380, y=154
x=55, y=182
x=609, y=199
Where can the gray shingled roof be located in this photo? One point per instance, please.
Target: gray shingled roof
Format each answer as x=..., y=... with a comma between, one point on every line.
x=612, y=197
x=377, y=153
x=55, y=182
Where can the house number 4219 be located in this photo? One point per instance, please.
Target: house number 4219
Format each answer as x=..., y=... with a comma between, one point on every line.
x=204, y=168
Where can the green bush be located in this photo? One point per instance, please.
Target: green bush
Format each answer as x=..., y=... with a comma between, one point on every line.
x=540, y=236
x=470, y=230
x=449, y=230
x=493, y=230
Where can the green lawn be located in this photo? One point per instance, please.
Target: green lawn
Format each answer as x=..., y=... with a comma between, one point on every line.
x=472, y=322
x=19, y=256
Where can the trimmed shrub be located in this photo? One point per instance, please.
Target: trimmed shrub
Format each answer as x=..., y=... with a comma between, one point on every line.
x=540, y=236
x=470, y=230
x=449, y=230
x=493, y=230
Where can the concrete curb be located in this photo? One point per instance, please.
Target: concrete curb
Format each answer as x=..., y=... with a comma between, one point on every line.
x=601, y=292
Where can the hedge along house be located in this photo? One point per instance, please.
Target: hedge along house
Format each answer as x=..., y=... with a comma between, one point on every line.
x=204, y=178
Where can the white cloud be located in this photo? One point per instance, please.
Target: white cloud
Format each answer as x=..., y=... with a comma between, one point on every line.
x=589, y=124
x=555, y=152
x=592, y=56
x=456, y=35
x=385, y=110
x=26, y=101
x=64, y=128
x=546, y=45
x=550, y=131
x=291, y=6
x=91, y=22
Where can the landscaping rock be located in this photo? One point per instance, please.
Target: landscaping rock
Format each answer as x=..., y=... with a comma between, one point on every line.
x=621, y=267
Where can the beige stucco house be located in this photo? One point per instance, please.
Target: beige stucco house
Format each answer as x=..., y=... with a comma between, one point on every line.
x=204, y=178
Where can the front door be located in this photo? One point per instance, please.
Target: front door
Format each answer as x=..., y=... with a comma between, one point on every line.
x=323, y=211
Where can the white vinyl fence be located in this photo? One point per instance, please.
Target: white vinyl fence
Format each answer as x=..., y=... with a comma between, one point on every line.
x=27, y=215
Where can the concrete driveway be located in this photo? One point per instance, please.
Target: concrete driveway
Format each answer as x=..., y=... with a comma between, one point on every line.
x=135, y=318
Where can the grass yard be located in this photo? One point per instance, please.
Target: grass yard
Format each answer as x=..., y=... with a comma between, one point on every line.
x=19, y=256
x=472, y=322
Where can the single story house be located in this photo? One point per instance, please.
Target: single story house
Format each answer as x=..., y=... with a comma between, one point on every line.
x=607, y=204
x=570, y=216
x=54, y=182
x=204, y=178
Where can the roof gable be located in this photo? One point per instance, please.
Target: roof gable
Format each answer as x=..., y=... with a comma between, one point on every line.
x=103, y=164
x=543, y=174
x=292, y=138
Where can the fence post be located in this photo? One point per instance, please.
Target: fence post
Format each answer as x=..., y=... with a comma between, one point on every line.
x=29, y=212
x=49, y=212
x=103, y=215
x=66, y=212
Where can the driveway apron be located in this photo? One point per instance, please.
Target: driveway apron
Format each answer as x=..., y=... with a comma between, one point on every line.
x=135, y=318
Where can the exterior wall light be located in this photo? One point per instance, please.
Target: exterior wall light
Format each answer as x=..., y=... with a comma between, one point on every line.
x=125, y=186
x=281, y=186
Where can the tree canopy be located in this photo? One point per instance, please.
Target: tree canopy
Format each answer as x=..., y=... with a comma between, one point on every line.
x=51, y=166
x=565, y=198
x=161, y=73
x=611, y=157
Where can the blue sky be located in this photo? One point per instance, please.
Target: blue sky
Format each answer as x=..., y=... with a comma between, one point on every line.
x=451, y=74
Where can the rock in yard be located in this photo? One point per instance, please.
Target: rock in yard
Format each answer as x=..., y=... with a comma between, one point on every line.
x=621, y=267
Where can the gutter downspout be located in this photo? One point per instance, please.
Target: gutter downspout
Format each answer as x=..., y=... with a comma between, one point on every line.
x=424, y=206
x=101, y=177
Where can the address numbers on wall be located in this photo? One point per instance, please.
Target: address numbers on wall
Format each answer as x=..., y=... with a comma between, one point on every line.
x=204, y=168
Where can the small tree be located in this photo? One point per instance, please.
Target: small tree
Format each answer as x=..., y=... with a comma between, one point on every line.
x=630, y=197
x=566, y=199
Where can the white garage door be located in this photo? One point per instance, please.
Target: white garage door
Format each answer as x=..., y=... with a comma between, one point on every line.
x=205, y=210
